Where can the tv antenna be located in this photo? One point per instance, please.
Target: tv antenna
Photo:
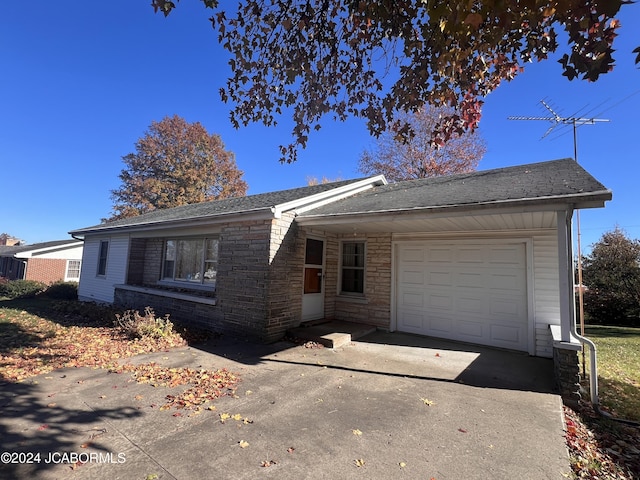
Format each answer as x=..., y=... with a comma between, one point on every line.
x=557, y=120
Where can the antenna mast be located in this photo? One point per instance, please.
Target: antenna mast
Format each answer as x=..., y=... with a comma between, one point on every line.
x=556, y=120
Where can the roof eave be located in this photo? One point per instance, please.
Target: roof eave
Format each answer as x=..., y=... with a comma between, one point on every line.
x=258, y=214
x=573, y=201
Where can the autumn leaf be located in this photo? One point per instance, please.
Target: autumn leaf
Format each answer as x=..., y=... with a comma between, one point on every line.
x=359, y=462
x=427, y=402
x=243, y=444
x=357, y=432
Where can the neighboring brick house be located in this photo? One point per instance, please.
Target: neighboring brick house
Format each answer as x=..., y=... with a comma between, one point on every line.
x=484, y=257
x=46, y=262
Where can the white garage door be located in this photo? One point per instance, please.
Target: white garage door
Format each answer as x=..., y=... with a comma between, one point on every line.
x=472, y=292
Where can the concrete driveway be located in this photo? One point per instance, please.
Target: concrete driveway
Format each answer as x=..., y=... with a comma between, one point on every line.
x=383, y=407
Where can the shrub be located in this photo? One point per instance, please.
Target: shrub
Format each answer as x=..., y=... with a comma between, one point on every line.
x=62, y=291
x=138, y=325
x=21, y=288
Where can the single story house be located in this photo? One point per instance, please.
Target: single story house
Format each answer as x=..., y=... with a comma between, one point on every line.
x=47, y=262
x=484, y=257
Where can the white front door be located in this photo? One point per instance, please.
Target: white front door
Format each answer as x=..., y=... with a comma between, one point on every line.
x=470, y=291
x=313, y=278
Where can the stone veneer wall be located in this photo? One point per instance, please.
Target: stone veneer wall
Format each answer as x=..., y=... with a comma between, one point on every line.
x=374, y=308
x=286, y=262
x=567, y=372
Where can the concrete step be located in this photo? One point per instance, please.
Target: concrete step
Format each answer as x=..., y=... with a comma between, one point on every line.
x=331, y=334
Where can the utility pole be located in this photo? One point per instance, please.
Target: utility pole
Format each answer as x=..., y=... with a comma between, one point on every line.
x=556, y=120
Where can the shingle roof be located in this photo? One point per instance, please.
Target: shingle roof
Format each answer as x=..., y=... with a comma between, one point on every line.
x=237, y=205
x=533, y=182
x=6, y=250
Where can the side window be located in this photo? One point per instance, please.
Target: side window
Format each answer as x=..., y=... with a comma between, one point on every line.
x=102, y=257
x=352, y=268
x=73, y=270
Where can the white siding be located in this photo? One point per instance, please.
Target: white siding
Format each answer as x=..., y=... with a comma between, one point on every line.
x=101, y=288
x=546, y=294
x=74, y=253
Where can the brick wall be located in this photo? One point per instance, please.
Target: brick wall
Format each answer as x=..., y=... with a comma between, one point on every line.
x=46, y=270
x=137, y=257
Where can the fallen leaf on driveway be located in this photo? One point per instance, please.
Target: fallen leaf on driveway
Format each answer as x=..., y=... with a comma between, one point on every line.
x=359, y=463
x=462, y=430
x=357, y=432
x=243, y=444
x=427, y=402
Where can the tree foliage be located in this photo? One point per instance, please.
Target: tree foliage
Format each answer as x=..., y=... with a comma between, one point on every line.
x=418, y=157
x=176, y=163
x=374, y=59
x=612, y=275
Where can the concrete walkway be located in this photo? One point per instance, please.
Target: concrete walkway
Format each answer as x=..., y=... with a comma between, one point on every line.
x=384, y=406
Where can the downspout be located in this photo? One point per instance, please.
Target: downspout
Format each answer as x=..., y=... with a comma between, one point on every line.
x=593, y=364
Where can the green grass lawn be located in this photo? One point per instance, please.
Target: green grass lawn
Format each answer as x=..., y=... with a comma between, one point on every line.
x=618, y=351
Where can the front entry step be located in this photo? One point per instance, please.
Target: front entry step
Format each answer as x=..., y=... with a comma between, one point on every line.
x=331, y=334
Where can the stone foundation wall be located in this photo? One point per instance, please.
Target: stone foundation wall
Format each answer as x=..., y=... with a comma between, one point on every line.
x=567, y=372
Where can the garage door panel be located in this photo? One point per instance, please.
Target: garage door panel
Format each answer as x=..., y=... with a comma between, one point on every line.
x=440, y=279
x=470, y=292
x=472, y=331
x=412, y=321
x=413, y=299
x=413, y=277
x=440, y=301
x=442, y=325
x=471, y=280
x=506, y=334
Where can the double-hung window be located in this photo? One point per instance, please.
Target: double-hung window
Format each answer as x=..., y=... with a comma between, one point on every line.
x=191, y=260
x=352, y=268
x=73, y=270
x=102, y=258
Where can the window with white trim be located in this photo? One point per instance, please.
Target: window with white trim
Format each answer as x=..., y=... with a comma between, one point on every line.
x=102, y=258
x=191, y=260
x=352, y=268
x=73, y=270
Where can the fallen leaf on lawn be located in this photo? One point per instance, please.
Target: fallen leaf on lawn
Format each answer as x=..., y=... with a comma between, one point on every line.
x=359, y=462
x=243, y=444
x=357, y=432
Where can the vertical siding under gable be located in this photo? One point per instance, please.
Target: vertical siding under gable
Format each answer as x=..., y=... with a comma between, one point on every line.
x=546, y=295
x=101, y=289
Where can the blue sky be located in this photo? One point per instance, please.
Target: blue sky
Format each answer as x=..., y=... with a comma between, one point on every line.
x=80, y=82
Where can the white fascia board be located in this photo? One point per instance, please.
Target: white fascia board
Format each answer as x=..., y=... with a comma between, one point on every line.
x=328, y=196
x=36, y=251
